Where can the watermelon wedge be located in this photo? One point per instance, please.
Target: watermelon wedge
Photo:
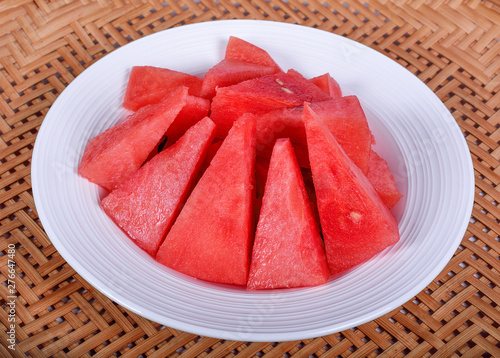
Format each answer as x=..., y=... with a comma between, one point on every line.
x=328, y=84
x=261, y=95
x=230, y=72
x=148, y=85
x=147, y=203
x=347, y=122
x=117, y=153
x=196, y=108
x=211, y=238
x=311, y=193
x=212, y=150
x=344, y=117
x=261, y=171
x=382, y=180
x=288, y=251
x=356, y=224
x=241, y=50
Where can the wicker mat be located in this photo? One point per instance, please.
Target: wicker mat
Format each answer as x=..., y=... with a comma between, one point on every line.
x=451, y=45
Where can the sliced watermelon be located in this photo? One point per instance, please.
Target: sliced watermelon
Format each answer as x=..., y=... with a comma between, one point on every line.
x=261, y=170
x=328, y=84
x=281, y=123
x=148, y=85
x=344, y=117
x=212, y=150
x=230, y=72
x=146, y=204
x=195, y=109
x=288, y=251
x=311, y=193
x=241, y=50
x=117, y=153
x=211, y=238
x=382, y=180
x=356, y=224
x=346, y=120
x=261, y=95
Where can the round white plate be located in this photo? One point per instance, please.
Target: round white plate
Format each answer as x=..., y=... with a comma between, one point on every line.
x=414, y=131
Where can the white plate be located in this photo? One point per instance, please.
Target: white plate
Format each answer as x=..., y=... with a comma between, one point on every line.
x=415, y=133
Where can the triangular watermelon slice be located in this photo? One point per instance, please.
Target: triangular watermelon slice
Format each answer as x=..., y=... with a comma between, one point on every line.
x=230, y=72
x=195, y=109
x=347, y=122
x=261, y=95
x=344, y=117
x=311, y=193
x=149, y=84
x=117, y=153
x=382, y=180
x=241, y=50
x=328, y=84
x=147, y=203
x=288, y=251
x=211, y=238
x=356, y=224
x=212, y=150
x=261, y=169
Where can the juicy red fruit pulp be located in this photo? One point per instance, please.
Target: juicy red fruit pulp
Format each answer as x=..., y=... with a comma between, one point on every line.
x=211, y=239
x=243, y=197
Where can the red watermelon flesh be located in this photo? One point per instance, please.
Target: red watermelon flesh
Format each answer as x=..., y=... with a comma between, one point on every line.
x=261, y=95
x=117, y=153
x=241, y=50
x=346, y=120
x=212, y=150
x=211, y=238
x=311, y=193
x=147, y=203
x=195, y=109
x=356, y=224
x=148, y=85
x=344, y=117
x=261, y=170
x=230, y=72
x=382, y=180
x=328, y=84
x=288, y=251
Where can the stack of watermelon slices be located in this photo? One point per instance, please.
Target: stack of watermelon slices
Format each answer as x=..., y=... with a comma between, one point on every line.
x=251, y=176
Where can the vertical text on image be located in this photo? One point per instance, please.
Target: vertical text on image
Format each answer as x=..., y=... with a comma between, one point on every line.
x=11, y=298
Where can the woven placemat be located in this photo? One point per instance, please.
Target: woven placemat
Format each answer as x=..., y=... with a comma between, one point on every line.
x=451, y=45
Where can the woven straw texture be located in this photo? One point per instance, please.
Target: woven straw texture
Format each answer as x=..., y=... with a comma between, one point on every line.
x=451, y=45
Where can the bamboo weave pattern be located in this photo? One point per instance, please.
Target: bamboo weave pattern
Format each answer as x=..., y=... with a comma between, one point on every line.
x=451, y=45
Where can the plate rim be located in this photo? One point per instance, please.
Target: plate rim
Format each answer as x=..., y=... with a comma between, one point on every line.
x=95, y=282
